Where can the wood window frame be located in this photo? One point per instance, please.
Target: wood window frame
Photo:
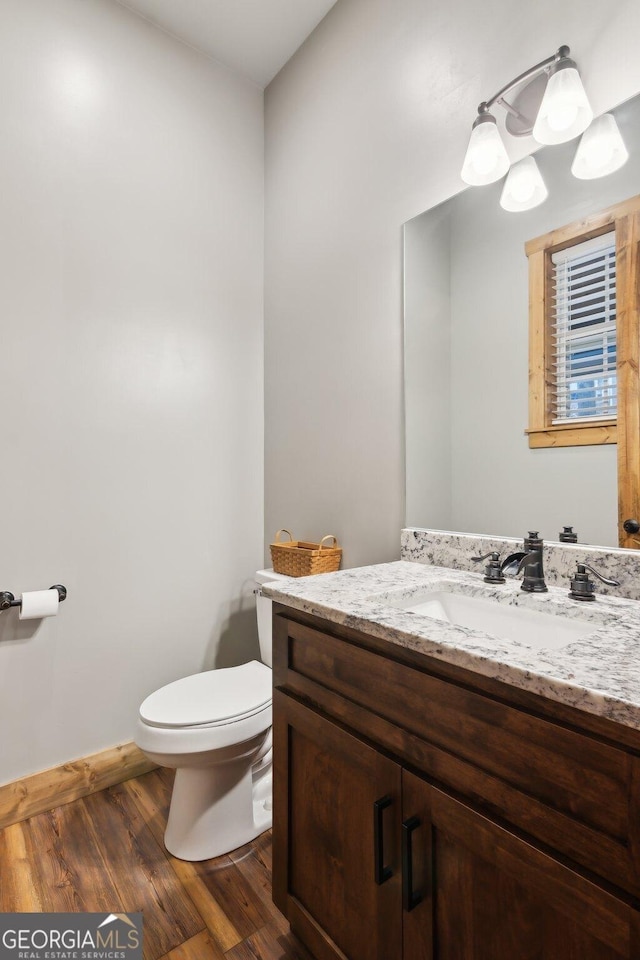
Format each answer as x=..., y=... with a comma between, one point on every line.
x=624, y=218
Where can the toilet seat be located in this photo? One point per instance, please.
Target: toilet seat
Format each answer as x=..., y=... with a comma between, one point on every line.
x=210, y=699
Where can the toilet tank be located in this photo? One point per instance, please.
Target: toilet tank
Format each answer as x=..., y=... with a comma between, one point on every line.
x=263, y=610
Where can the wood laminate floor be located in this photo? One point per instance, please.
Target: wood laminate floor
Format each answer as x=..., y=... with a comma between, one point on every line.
x=104, y=853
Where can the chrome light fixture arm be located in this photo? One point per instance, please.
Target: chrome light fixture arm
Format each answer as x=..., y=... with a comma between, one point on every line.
x=562, y=53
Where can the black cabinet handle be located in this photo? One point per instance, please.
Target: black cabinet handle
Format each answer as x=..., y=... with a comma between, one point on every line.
x=410, y=899
x=381, y=873
x=631, y=526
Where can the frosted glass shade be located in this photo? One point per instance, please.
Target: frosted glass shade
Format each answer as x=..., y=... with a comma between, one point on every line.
x=601, y=150
x=565, y=111
x=486, y=159
x=524, y=188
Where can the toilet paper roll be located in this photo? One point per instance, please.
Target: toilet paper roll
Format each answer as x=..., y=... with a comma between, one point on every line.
x=39, y=603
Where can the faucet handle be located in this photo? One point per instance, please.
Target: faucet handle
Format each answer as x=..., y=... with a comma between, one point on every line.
x=583, y=587
x=493, y=570
x=609, y=583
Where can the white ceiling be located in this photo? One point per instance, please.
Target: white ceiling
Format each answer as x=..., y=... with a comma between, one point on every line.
x=255, y=37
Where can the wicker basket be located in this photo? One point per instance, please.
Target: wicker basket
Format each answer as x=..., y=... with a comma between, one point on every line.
x=296, y=558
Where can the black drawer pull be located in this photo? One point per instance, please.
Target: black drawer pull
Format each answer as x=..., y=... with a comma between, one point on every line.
x=410, y=899
x=381, y=873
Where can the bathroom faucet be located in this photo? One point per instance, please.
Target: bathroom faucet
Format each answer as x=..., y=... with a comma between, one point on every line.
x=529, y=560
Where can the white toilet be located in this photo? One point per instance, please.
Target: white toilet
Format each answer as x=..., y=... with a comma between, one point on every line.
x=215, y=729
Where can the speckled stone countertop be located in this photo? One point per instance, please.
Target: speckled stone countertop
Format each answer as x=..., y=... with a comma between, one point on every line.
x=598, y=673
x=444, y=548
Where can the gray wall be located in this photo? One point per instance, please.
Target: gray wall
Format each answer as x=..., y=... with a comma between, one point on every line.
x=366, y=127
x=130, y=369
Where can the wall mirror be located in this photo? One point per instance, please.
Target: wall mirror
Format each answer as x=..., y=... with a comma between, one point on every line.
x=469, y=465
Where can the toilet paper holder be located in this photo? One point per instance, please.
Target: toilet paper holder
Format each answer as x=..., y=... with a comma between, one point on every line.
x=8, y=600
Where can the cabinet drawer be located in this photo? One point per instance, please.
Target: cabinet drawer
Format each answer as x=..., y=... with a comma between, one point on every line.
x=575, y=776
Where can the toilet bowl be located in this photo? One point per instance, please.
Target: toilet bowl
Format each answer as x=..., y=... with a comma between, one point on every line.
x=214, y=728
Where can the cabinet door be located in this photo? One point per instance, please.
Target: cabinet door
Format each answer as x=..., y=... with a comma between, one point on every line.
x=336, y=870
x=489, y=895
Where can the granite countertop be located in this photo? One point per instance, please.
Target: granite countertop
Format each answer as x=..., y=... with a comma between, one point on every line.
x=598, y=673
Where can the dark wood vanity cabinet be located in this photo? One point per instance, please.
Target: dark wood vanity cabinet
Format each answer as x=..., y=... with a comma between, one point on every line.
x=425, y=813
x=333, y=781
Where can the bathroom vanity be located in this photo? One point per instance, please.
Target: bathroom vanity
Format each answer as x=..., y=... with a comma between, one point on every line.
x=444, y=792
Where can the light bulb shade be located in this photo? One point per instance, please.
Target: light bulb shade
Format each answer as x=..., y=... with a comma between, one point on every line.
x=524, y=188
x=565, y=111
x=601, y=150
x=486, y=159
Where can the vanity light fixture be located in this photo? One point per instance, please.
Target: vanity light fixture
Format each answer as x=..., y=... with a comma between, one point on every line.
x=550, y=103
x=601, y=150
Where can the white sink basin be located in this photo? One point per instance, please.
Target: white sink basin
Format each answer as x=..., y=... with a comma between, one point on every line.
x=542, y=630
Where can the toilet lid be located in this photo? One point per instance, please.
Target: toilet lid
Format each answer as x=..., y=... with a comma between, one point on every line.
x=216, y=696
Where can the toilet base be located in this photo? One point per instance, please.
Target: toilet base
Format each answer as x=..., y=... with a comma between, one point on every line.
x=217, y=809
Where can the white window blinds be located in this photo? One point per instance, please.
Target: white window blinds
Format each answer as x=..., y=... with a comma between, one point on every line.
x=584, y=331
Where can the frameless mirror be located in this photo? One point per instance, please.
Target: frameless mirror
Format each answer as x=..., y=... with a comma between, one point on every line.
x=466, y=312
